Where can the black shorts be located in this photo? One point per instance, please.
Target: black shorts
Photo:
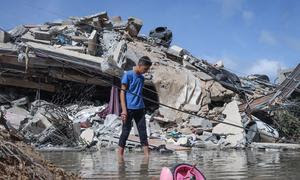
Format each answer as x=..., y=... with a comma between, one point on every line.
x=139, y=116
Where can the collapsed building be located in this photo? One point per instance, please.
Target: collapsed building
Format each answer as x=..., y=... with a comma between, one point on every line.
x=59, y=88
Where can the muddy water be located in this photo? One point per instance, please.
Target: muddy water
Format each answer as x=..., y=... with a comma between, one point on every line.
x=215, y=164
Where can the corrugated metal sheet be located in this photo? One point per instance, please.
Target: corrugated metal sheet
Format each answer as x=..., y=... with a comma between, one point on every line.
x=289, y=85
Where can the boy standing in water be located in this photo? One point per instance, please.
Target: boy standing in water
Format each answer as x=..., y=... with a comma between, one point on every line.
x=133, y=105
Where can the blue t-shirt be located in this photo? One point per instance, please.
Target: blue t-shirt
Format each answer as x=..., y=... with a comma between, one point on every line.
x=135, y=83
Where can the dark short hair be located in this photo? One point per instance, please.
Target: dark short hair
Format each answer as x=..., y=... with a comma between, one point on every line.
x=145, y=61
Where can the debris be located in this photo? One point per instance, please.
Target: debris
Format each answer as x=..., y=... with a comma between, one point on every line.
x=92, y=42
x=15, y=116
x=41, y=35
x=281, y=146
x=162, y=36
x=234, y=135
x=266, y=132
x=4, y=37
x=66, y=71
x=199, y=122
x=20, y=102
x=20, y=160
x=176, y=50
x=134, y=26
x=87, y=135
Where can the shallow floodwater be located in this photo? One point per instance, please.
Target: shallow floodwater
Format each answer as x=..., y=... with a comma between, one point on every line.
x=230, y=164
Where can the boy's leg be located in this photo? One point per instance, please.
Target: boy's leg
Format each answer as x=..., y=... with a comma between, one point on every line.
x=126, y=127
x=139, y=117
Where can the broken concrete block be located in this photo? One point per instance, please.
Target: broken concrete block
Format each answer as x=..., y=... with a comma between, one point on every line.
x=170, y=141
x=18, y=31
x=37, y=124
x=97, y=22
x=116, y=21
x=20, y=102
x=192, y=107
x=134, y=26
x=76, y=130
x=28, y=37
x=189, y=66
x=200, y=122
x=185, y=131
x=266, y=132
x=154, y=128
x=205, y=136
x=87, y=135
x=86, y=113
x=41, y=35
x=45, y=28
x=15, y=115
x=162, y=36
x=235, y=135
x=80, y=49
x=4, y=37
x=92, y=43
x=182, y=141
x=119, y=54
x=80, y=39
x=176, y=50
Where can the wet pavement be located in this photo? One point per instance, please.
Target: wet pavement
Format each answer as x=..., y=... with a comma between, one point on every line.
x=230, y=164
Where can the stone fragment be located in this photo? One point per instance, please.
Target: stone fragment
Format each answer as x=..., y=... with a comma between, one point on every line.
x=15, y=116
x=134, y=26
x=205, y=136
x=192, y=107
x=41, y=35
x=92, y=43
x=80, y=49
x=116, y=21
x=4, y=37
x=200, y=122
x=18, y=31
x=185, y=131
x=20, y=102
x=176, y=50
x=119, y=54
x=266, y=132
x=37, y=124
x=76, y=130
x=189, y=66
x=235, y=135
x=182, y=141
x=87, y=135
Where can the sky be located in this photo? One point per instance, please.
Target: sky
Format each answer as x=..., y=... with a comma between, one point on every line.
x=250, y=36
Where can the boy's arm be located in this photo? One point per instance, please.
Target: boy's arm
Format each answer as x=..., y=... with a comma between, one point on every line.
x=123, y=102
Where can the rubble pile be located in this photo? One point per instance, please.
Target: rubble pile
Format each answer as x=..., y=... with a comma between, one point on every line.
x=71, y=65
x=19, y=160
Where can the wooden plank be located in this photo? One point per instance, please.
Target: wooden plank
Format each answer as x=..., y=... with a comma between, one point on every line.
x=26, y=84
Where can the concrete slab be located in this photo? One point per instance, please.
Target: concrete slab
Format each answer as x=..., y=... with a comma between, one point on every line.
x=235, y=135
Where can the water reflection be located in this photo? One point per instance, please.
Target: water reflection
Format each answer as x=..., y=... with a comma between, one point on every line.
x=231, y=164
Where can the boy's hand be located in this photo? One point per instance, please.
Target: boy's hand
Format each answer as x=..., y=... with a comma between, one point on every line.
x=124, y=116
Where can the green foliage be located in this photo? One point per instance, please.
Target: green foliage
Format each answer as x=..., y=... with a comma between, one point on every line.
x=289, y=122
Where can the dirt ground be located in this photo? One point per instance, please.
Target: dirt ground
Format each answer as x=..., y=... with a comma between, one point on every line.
x=19, y=160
